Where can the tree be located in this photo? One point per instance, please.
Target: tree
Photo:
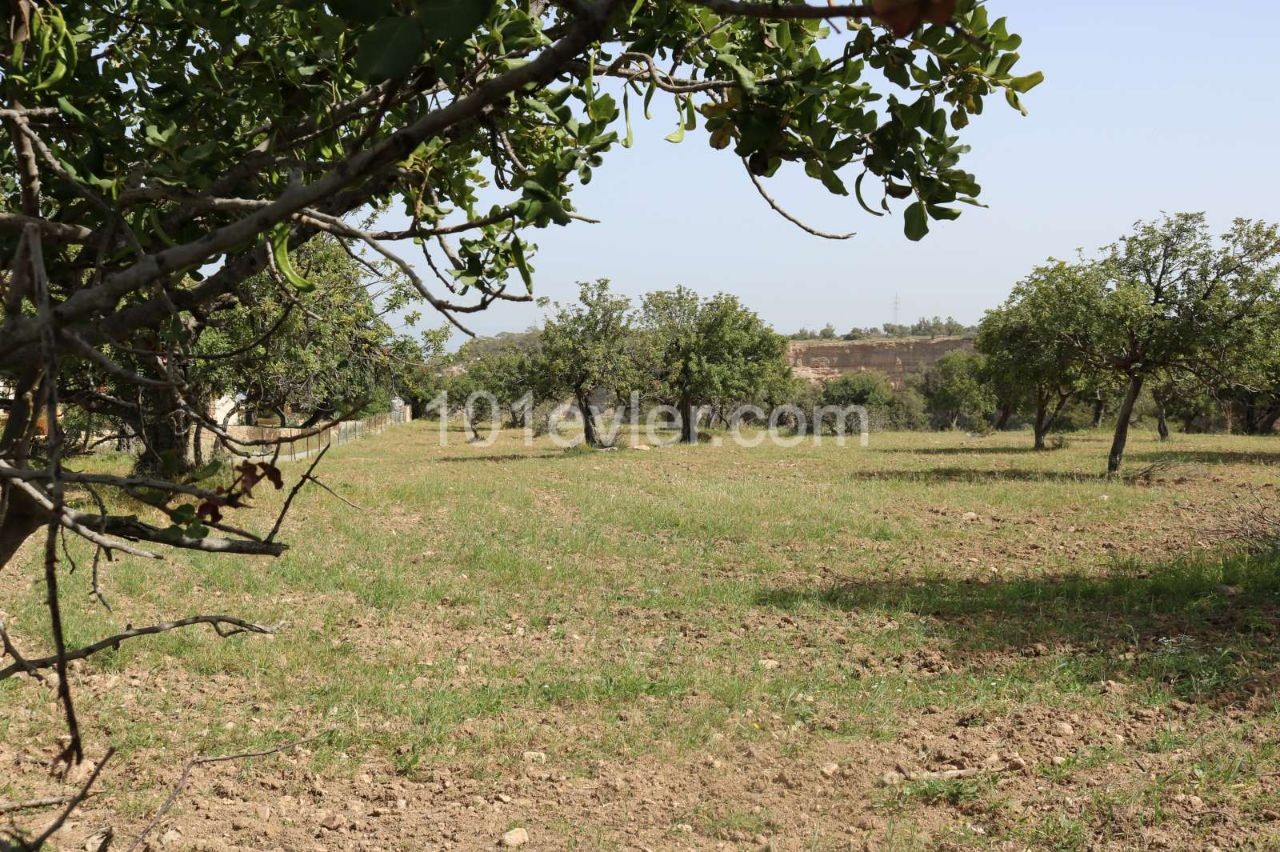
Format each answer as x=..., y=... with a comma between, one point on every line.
x=708, y=352
x=162, y=154
x=583, y=349
x=1174, y=296
x=867, y=388
x=954, y=389
x=1031, y=342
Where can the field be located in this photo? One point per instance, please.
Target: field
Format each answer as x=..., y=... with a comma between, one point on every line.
x=934, y=642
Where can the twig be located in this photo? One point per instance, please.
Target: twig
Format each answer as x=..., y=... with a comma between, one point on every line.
x=777, y=208
x=32, y=804
x=335, y=493
x=219, y=623
x=284, y=510
x=200, y=760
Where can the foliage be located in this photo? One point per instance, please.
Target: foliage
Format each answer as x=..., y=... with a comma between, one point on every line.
x=711, y=351
x=1034, y=362
x=583, y=348
x=955, y=391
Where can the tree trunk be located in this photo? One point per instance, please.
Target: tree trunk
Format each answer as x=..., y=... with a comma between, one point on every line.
x=1002, y=418
x=1099, y=409
x=1041, y=425
x=688, y=421
x=589, y=432
x=1162, y=422
x=1122, y=424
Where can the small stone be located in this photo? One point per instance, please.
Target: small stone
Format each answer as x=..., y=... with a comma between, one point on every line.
x=172, y=837
x=891, y=778
x=684, y=828
x=1058, y=760
x=829, y=770
x=1195, y=802
x=642, y=447
x=970, y=516
x=1063, y=729
x=536, y=757
x=331, y=821
x=513, y=838
x=1016, y=763
x=769, y=665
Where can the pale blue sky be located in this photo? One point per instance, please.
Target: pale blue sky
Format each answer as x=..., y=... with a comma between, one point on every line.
x=1146, y=106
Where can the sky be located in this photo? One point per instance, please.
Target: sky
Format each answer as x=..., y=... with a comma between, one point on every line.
x=1146, y=107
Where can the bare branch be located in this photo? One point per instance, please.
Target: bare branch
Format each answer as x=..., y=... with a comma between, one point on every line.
x=777, y=208
x=223, y=625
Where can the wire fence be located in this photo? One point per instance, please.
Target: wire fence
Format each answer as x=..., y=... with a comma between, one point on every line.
x=308, y=443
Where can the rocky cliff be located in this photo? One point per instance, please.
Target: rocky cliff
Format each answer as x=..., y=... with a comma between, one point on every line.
x=897, y=358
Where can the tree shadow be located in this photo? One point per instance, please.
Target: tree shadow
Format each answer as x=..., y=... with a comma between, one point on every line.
x=968, y=474
x=963, y=451
x=1207, y=629
x=1258, y=457
x=499, y=457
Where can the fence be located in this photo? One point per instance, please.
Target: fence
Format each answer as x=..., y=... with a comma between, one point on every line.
x=308, y=443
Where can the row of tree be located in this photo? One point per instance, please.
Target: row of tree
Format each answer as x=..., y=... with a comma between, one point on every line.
x=673, y=348
x=1169, y=308
x=1170, y=315
x=923, y=327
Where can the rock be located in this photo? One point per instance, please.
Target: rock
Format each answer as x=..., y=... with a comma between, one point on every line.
x=536, y=757
x=99, y=841
x=172, y=837
x=1015, y=762
x=642, y=447
x=1058, y=760
x=684, y=828
x=891, y=778
x=1195, y=802
x=970, y=516
x=513, y=838
x=1063, y=729
x=769, y=665
x=331, y=821
x=829, y=770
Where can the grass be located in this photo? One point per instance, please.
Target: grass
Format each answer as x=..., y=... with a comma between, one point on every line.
x=760, y=610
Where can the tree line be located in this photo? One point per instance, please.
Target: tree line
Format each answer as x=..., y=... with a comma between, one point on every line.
x=1169, y=321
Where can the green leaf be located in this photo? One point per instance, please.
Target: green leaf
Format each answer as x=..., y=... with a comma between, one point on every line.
x=389, y=50
x=626, y=113
x=916, y=223
x=452, y=21
x=280, y=253
x=522, y=264
x=1027, y=83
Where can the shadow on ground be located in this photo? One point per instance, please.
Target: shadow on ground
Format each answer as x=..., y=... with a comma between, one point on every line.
x=969, y=474
x=1208, y=456
x=1206, y=629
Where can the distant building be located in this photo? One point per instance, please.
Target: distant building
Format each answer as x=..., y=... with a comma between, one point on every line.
x=897, y=358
